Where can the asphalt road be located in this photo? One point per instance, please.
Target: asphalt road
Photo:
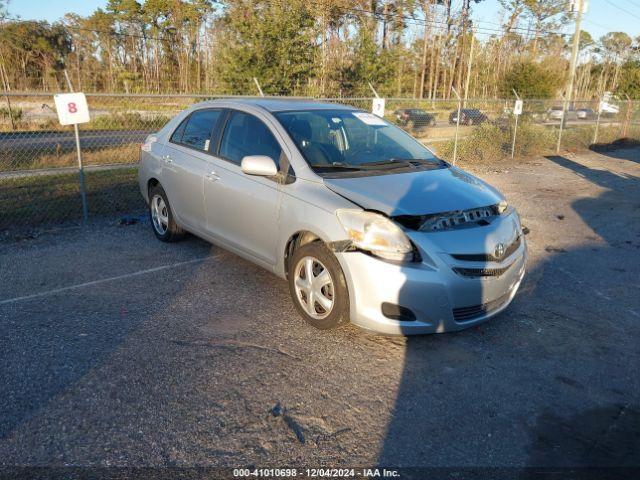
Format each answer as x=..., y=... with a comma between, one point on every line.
x=117, y=350
x=50, y=141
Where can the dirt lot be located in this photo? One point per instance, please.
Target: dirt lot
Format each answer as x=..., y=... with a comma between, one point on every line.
x=118, y=350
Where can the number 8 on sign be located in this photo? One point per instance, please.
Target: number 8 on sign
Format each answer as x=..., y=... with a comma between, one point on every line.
x=72, y=108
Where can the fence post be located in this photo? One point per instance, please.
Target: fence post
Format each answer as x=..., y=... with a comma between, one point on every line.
x=258, y=85
x=83, y=190
x=562, y=120
x=5, y=87
x=627, y=120
x=455, y=142
x=13, y=125
x=595, y=135
x=515, y=128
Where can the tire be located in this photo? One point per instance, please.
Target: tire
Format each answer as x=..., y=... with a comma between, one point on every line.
x=168, y=231
x=322, y=260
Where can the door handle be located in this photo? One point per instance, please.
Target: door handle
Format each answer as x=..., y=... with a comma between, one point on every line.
x=167, y=159
x=212, y=176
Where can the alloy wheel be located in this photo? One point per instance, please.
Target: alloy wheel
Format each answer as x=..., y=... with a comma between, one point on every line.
x=159, y=214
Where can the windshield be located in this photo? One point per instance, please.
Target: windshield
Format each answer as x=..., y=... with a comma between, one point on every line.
x=353, y=140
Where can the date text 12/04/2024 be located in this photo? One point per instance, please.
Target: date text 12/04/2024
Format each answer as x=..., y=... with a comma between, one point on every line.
x=317, y=473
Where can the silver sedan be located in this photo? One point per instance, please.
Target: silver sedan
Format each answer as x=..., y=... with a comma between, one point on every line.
x=363, y=221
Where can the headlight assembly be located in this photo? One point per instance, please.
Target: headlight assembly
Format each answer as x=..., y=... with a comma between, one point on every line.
x=375, y=233
x=502, y=207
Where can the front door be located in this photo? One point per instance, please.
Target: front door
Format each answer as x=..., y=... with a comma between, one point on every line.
x=242, y=210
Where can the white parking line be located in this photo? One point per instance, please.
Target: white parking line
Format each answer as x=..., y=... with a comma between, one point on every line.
x=109, y=279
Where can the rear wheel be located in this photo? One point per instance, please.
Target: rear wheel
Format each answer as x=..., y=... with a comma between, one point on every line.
x=318, y=287
x=162, y=220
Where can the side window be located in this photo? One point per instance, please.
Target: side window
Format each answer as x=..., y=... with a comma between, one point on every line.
x=197, y=132
x=247, y=135
x=176, y=136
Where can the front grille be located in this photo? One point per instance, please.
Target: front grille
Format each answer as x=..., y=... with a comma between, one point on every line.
x=454, y=219
x=464, y=314
x=488, y=257
x=447, y=220
x=481, y=272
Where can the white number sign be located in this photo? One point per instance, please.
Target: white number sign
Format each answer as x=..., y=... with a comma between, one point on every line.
x=72, y=108
x=517, y=108
x=378, y=107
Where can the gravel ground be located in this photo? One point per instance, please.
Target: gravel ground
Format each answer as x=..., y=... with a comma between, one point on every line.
x=193, y=356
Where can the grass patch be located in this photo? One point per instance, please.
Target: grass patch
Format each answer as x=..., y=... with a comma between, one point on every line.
x=25, y=159
x=103, y=121
x=490, y=143
x=485, y=143
x=128, y=121
x=55, y=199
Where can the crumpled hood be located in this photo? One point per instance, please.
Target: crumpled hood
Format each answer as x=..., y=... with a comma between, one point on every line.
x=417, y=193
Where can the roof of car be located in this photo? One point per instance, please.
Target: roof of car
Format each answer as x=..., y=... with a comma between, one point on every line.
x=281, y=105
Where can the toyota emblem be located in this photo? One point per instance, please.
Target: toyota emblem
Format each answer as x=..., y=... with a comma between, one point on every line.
x=499, y=251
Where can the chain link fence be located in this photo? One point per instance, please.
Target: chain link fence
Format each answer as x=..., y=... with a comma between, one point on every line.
x=39, y=182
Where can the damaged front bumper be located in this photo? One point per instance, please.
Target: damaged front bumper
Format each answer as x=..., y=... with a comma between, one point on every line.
x=434, y=295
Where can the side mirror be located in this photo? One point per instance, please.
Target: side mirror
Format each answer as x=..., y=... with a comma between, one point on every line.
x=260, y=165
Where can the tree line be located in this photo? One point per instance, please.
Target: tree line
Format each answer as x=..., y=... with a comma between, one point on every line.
x=326, y=48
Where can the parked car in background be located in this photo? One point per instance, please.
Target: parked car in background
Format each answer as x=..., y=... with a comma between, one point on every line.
x=363, y=221
x=414, y=118
x=555, y=114
x=609, y=110
x=586, y=114
x=468, y=116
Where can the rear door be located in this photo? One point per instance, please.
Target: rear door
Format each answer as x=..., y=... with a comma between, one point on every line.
x=187, y=160
x=242, y=210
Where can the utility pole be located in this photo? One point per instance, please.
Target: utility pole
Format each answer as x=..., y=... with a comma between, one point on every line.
x=568, y=97
x=576, y=49
x=469, y=64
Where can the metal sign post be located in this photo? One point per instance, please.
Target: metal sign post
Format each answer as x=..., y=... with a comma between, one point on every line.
x=517, y=110
x=259, y=87
x=72, y=109
x=455, y=142
x=564, y=114
x=595, y=134
x=378, y=106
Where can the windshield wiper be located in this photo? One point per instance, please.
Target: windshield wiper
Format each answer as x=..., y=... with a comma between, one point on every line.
x=387, y=164
x=390, y=164
x=336, y=166
x=420, y=162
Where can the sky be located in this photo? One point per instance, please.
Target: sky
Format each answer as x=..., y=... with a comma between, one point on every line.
x=602, y=16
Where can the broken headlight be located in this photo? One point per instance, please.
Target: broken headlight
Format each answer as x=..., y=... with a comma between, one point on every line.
x=375, y=233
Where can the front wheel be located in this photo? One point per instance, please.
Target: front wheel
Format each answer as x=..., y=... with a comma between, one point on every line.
x=318, y=287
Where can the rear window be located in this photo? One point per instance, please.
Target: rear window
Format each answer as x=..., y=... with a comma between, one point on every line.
x=197, y=133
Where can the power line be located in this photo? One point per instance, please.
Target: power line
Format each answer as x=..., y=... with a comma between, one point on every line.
x=633, y=3
x=425, y=22
x=622, y=9
x=598, y=24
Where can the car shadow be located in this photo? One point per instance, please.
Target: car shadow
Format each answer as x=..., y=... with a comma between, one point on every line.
x=624, y=149
x=50, y=343
x=547, y=381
